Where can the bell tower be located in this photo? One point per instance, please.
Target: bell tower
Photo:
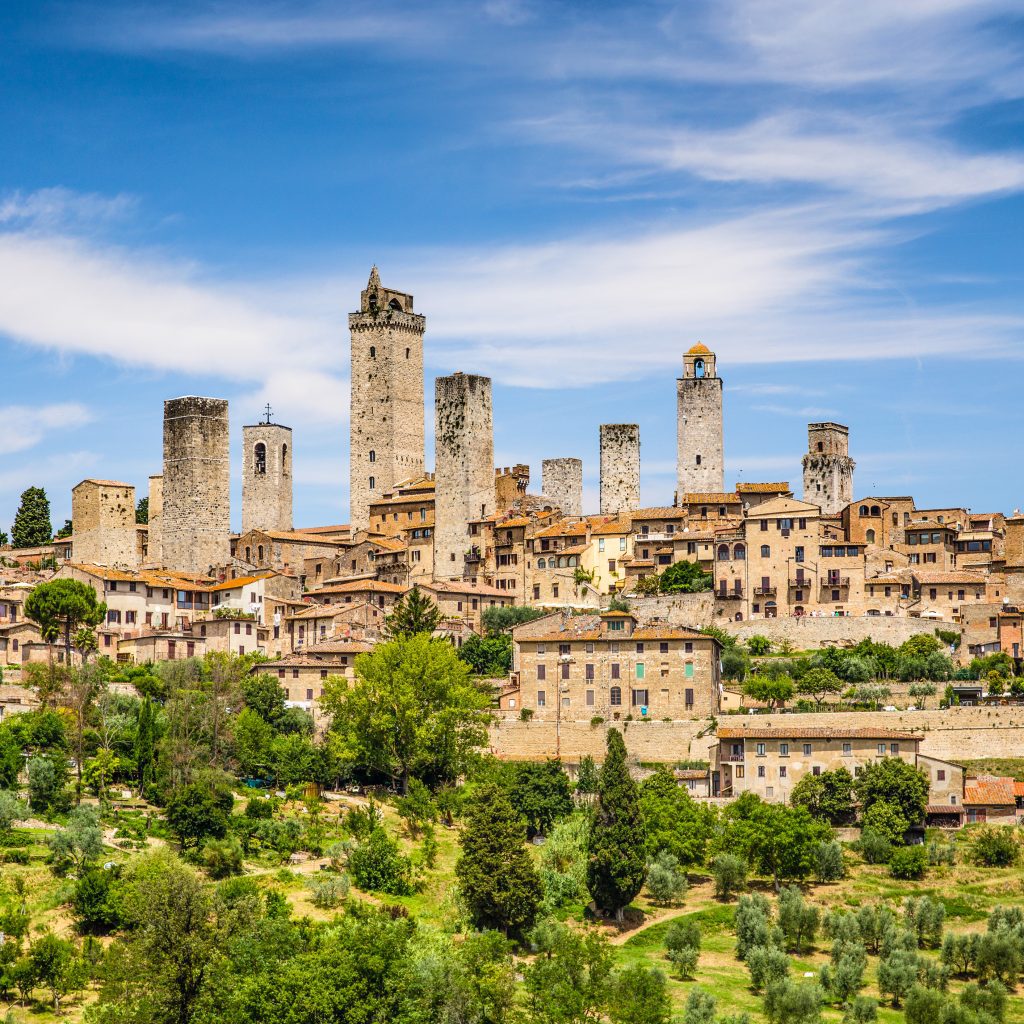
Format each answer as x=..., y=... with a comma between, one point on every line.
x=700, y=462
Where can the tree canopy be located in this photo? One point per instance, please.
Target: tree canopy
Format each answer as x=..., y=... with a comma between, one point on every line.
x=62, y=605
x=32, y=525
x=415, y=613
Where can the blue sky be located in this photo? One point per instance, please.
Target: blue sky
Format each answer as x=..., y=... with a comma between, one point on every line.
x=828, y=194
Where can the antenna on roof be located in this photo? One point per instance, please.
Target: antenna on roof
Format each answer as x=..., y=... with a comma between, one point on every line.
x=268, y=413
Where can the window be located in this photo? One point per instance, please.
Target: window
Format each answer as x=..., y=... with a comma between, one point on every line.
x=739, y=771
x=688, y=693
x=373, y=483
x=940, y=775
x=542, y=698
x=588, y=671
x=542, y=672
x=639, y=670
x=640, y=698
x=640, y=648
x=688, y=670
x=760, y=749
x=373, y=352
x=600, y=544
x=373, y=455
x=894, y=748
x=590, y=698
x=766, y=551
x=881, y=749
x=663, y=647
x=807, y=749
x=615, y=696
x=784, y=750
x=782, y=771
x=847, y=748
x=615, y=670
x=760, y=771
x=260, y=459
x=622, y=543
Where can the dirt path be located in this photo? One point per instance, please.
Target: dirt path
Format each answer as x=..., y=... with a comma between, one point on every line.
x=666, y=915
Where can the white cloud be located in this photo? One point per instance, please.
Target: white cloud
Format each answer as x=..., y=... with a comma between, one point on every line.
x=58, y=206
x=26, y=425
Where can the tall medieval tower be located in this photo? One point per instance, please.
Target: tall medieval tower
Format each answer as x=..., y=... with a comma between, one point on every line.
x=700, y=462
x=828, y=468
x=386, y=421
x=620, y=468
x=196, y=518
x=266, y=476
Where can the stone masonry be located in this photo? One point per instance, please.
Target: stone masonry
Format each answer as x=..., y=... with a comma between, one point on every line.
x=510, y=486
x=562, y=482
x=196, y=519
x=464, y=467
x=700, y=462
x=620, y=468
x=155, y=556
x=386, y=424
x=828, y=468
x=103, y=515
x=266, y=477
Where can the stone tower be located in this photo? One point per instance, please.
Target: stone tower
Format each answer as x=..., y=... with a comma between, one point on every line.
x=196, y=516
x=620, y=468
x=154, y=555
x=700, y=463
x=266, y=477
x=510, y=486
x=103, y=517
x=386, y=424
x=562, y=482
x=463, y=468
x=828, y=468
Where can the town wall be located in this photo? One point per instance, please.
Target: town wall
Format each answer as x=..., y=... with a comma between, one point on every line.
x=464, y=466
x=196, y=520
x=562, y=482
x=807, y=632
x=266, y=477
x=620, y=468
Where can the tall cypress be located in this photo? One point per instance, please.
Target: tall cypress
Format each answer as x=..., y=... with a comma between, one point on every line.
x=144, y=746
x=499, y=883
x=616, y=863
x=32, y=525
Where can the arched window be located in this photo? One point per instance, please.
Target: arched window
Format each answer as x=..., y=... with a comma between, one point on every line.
x=373, y=352
x=615, y=696
x=870, y=536
x=260, y=458
x=698, y=368
x=766, y=551
x=248, y=554
x=395, y=305
x=573, y=561
x=561, y=561
x=373, y=483
x=259, y=552
x=863, y=510
x=542, y=563
x=723, y=552
x=284, y=458
x=875, y=510
x=373, y=455
x=740, y=552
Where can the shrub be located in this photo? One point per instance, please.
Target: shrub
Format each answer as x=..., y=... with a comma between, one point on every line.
x=259, y=808
x=798, y=919
x=222, y=857
x=786, y=1002
x=863, y=1010
x=874, y=848
x=885, y=819
x=666, y=880
x=909, y=863
x=995, y=847
x=925, y=917
x=844, y=977
x=766, y=964
x=829, y=865
x=729, y=873
x=682, y=944
x=940, y=853
x=759, y=645
x=378, y=866
x=327, y=890
x=753, y=923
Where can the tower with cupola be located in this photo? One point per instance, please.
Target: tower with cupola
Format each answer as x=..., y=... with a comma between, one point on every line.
x=700, y=463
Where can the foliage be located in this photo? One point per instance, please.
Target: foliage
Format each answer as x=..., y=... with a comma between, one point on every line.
x=844, y=976
x=798, y=919
x=563, y=862
x=639, y=995
x=488, y=655
x=11, y=810
x=771, y=690
x=994, y=847
x=787, y=1002
x=414, y=614
x=861, y=1010
x=570, y=981
x=829, y=865
x=412, y=711
x=56, y=966
x=685, y=578
x=96, y=901
x=895, y=782
x=377, y=865
x=666, y=880
x=759, y=645
x=874, y=847
x=197, y=812
x=616, y=864
x=766, y=964
x=924, y=917
x=729, y=873
x=819, y=683
x=908, y=863
x=416, y=808
x=327, y=890
x=82, y=840
x=222, y=857
x=32, y=525
x=897, y=974
x=60, y=606
x=884, y=819
x=47, y=777
x=541, y=793
x=586, y=776
x=142, y=510
x=735, y=664
x=682, y=945
x=753, y=924
x=674, y=821
x=500, y=620
x=828, y=795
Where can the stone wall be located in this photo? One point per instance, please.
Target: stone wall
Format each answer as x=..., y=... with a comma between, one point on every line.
x=695, y=610
x=464, y=466
x=156, y=513
x=266, y=477
x=510, y=486
x=196, y=520
x=620, y=468
x=700, y=458
x=103, y=517
x=809, y=632
x=828, y=469
x=562, y=482
x=386, y=422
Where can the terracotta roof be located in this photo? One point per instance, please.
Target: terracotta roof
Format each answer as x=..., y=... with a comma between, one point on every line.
x=356, y=586
x=700, y=349
x=465, y=587
x=296, y=537
x=323, y=529
x=710, y=498
x=990, y=791
x=611, y=526
x=564, y=529
x=102, y=483
x=783, y=732
x=339, y=645
x=1018, y=788
x=588, y=627
x=104, y=572
x=948, y=577
x=944, y=809
x=766, y=488
x=659, y=512
x=515, y=521
x=388, y=544
x=691, y=773
x=241, y=581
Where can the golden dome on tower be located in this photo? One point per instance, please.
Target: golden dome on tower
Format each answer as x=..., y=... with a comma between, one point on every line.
x=700, y=349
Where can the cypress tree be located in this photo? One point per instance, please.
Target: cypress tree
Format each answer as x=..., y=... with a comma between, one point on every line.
x=616, y=862
x=144, y=746
x=32, y=524
x=499, y=883
x=414, y=614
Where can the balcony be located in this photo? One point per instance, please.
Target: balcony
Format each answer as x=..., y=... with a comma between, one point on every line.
x=835, y=581
x=724, y=595
x=473, y=556
x=731, y=758
x=801, y=584
x=768, y=591
x=654, y=537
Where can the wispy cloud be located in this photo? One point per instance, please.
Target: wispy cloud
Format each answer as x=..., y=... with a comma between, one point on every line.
x=62, y=207
x=25, y=426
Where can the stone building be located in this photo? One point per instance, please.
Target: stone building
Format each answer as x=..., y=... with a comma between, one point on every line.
x=464, y=466
x=828, y=468
x=155, y=554
x=266, y=477
x=196, y=516
x=103, y=514
x=700, y=463
x=620, y=468
x=510, y=487
x=612, y=666
x=562, y=482
x=386, y=425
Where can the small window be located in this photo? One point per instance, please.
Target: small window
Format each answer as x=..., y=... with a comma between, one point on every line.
x=940, y=775
x=373, y=352
x=760, y=750
x=373, y=455
x=615, y=696
x=881, y=749
x=807, y=749
x=847, y=748
x=760, y=771
x=541, y=699
x=373, y=483
x=766, y=551
x=784, y=750
x=782, y=771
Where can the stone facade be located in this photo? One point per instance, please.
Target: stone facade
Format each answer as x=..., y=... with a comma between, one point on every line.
x=155, y=553
x=196, y=515
x=828, y=468
x=562, y=482
x=266, y=477
x=620, y=468
x=464, y=468
x=103, y=514
x=700, y=464
x=386, y=424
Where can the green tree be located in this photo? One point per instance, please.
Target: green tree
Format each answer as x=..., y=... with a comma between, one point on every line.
x=828, y=796
x=500, y=620
x=786, y=1002
x=497, y=878
x=666, y=880
x=897, y=974
x=412, y=711
x=65, y=531
x=488, y=655
x=81, y=841
x=829, y=865
x=682, y=945
x=47, y=777
x=378, y=865
x=96, y=902
x=886, y=820
x=771, y=690
x=729, y=873
x=819, y=683
x=144, y=746
x=908, y=863
x=995, y=847
x=142, y=511
x=56, y=966
x=798, y=919
x=414, y=614
x=895, y=782
x=568, y=983
x=844, y=977
x=639, y=995
x=254, y=740
x=586, y=776
x=759, y=645
x=767, y=964
x=685, y=578
x=616, y=864
x=64, y=604
x=674, y=820
x=196, y=812
x=861, y=1010
x=541, y=793
x=32, y=525
x=264, y=696
x=11, y=810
